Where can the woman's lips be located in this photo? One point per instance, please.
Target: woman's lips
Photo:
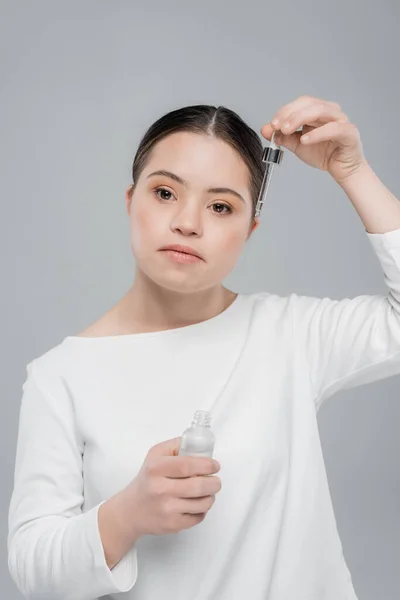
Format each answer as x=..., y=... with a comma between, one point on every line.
x=181, y=257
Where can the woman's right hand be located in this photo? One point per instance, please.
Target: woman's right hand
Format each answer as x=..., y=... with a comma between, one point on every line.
x=171, y=492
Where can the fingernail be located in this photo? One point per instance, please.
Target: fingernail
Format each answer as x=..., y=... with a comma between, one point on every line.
x=275, y=122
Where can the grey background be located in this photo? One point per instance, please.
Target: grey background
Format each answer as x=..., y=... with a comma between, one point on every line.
x=80, y=83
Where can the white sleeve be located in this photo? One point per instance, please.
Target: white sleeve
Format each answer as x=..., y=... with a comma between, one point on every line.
x=351, y=342
x=54, y=549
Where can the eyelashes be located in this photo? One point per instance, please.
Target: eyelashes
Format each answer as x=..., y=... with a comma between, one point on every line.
x=226, y=206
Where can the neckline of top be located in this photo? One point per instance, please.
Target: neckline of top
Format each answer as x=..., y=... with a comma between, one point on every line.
x=194, y=327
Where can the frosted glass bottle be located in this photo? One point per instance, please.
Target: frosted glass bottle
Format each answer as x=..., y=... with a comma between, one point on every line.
x=198, y=439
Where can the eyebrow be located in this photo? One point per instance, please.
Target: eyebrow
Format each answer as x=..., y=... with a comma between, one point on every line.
x=216, y=190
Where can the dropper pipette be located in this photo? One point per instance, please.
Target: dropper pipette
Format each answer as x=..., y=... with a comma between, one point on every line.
x=272, y=156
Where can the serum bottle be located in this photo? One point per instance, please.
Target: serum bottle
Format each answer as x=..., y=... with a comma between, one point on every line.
x=198, y=439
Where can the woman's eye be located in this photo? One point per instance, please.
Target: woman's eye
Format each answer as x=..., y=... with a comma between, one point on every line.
x=223, y=206
x=219, y=204
x=162, y=190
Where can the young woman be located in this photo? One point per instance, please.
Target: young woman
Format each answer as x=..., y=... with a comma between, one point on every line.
x=102, y=502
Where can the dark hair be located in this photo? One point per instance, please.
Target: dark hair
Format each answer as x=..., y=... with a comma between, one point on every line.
x=205, y=119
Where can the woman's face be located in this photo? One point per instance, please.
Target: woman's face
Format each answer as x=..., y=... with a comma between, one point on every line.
x=166, y=211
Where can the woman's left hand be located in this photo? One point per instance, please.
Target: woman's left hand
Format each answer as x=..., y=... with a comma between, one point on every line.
x=333, y=144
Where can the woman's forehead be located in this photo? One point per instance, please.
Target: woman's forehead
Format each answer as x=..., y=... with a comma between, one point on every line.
x=190, y=155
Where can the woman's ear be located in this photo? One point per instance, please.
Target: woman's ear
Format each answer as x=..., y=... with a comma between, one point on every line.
x=255, y=224
x=128, y=198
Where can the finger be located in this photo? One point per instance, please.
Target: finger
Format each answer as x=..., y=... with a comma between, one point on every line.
x=289, y=108
x=196, y=487
x=184, y=466
x=165, y=448
x=194, y=506
x=267, y=130
x=346, y=134
x=314, y=115
x=300, y=103
x=290, y=142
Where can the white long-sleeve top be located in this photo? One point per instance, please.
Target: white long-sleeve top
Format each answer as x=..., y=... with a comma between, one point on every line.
x=92, y=407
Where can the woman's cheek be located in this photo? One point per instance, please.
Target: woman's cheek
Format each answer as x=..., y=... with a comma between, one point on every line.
x=143, y=224
x=233, y=243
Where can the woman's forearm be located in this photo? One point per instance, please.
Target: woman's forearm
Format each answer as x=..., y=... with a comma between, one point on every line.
x=377, y=207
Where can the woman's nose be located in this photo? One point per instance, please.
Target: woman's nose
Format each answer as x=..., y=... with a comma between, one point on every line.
x=188, y=220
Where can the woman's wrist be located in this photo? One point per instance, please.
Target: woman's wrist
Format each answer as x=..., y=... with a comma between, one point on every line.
x=117, y=526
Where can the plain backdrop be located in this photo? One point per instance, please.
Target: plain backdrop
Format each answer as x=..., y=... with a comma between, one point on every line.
x=80, y=82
